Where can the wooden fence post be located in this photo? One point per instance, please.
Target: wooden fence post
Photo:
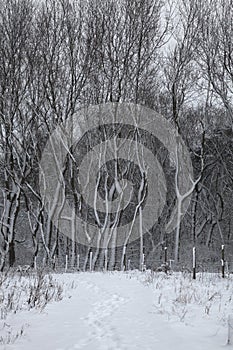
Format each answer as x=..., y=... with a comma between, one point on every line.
x=90, y=266
x=123, y=260
x=143, y=262
x=106, y=260
x=165, y=259
x=194, y=263
x=223, y=261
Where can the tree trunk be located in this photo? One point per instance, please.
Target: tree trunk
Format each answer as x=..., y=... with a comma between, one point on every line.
x=11, y=253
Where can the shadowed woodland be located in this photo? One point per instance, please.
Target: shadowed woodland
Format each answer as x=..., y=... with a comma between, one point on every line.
x=59, y=56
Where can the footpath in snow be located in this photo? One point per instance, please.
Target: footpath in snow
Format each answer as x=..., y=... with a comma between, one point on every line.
x=109, y=311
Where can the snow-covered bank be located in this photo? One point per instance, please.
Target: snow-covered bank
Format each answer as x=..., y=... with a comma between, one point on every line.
x=129, y=311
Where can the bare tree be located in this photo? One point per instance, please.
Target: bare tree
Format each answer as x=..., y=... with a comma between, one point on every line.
x=215, y=50
x=16, y=121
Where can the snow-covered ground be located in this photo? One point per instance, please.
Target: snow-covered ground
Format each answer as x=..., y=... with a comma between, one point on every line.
x=127, y=311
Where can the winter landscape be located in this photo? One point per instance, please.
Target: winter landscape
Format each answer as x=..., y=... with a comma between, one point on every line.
x=116, y=174
x=130, y=310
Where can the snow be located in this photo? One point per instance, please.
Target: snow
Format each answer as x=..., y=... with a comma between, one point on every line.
x=130, y=310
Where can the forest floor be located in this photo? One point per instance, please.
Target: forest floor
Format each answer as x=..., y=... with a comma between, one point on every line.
x=124, y=311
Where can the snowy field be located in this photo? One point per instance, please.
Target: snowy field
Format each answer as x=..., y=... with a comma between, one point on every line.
x=131, y=310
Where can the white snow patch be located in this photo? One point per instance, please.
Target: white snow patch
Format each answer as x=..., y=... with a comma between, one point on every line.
x=133, y=310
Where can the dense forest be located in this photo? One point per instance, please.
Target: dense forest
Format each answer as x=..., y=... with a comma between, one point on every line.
x=57, y=57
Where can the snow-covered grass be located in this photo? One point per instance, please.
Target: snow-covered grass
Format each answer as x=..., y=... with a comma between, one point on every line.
x=23, y=291
x=180, y=298
x=115, y=310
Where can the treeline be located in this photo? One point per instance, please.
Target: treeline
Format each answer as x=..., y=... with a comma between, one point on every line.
x=58, y=56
